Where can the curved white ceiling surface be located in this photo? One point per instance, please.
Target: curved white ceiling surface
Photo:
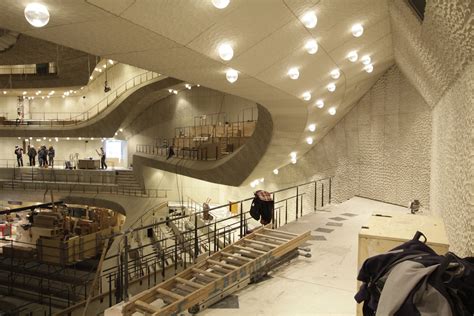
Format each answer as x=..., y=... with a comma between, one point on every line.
x=181, y=38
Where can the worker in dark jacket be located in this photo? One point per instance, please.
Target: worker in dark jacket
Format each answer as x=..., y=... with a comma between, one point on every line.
x=51, y=154
x=32, y=155
x=19, y=155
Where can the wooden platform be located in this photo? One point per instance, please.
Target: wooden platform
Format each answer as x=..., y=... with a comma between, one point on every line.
x=216, y=275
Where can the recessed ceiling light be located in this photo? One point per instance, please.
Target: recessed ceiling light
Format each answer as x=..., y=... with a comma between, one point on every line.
x=294, y=73
x=320, y=103
x=357, y=30
x=232, y=75
x=175, y=91
x=121, y=129
x=104, y=66
x=293, y=160
x=220, y=4
x=312, y=127
x=352, y=56
x=188, y=86
x=369, y=68
x=309, y=19
x=24, y=92
x=307, y=96
x=275, y=171
x=332, y=87
x=309, y=140
x=293, y=154
x=91, y=77
x=37, y=14
x=111, y=61
x=311, y=46
x=4, y=92
x=67, y=138
x=335, y=73
x=332, y=111
x=226, y=52
x=366, y=59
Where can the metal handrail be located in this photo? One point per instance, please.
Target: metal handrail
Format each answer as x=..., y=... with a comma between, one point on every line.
x=99, y=107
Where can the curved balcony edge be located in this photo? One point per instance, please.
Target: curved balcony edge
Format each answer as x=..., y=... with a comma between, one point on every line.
x=231, y=170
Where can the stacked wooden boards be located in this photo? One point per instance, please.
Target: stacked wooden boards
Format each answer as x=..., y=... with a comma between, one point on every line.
x=214, y=276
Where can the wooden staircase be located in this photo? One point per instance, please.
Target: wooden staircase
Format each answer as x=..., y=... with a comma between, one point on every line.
x=217, y=276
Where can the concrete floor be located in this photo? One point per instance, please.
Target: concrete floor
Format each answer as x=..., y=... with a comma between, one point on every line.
x=321, y=285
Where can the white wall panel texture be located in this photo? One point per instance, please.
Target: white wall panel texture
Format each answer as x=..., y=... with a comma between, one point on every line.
x=380, y=149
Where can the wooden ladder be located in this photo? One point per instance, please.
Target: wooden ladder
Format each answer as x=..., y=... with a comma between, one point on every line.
x=212, y=277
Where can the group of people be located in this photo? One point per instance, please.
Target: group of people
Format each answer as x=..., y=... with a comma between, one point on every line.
x=45, y=155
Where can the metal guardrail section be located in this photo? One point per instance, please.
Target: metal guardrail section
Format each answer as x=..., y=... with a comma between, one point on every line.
x=216, y=274
x=155, y=267
x=72, y=118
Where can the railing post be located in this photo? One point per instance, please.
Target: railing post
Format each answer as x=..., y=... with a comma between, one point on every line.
x=322, y=194
x=296, y=210
x=241, y=219
x=315, y=195
x=301, y=206
x=125, y=274
x=196, y=246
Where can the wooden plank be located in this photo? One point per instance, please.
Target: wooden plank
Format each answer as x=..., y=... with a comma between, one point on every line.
x=280, y=232
x=235, y=257
x=225, y=265
x=169, y=293
x=184, y=288
x=269, y=240
x=207, y=273
x=189, y=282
x=220, y=269
x=143, y=306
x=250, y=249
x=252, y=241
x=273, y=237
x=247, y=254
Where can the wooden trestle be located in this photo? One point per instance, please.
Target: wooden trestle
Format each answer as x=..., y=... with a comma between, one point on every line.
x=213, y=278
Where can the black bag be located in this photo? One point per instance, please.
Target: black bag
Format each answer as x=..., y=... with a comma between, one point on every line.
x=447, y=280
x=254, y=209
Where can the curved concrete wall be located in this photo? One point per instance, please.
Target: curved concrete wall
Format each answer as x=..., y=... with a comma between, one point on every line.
x=231, y=170
x=107, y=122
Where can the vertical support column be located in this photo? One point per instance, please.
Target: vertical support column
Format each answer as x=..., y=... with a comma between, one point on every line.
x=241, y=220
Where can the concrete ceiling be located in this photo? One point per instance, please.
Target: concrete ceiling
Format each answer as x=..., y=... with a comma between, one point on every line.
x=180, y=38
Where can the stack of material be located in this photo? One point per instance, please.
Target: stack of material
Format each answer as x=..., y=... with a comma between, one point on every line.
x=85, y=227
x=48, y=220
x=18, y=252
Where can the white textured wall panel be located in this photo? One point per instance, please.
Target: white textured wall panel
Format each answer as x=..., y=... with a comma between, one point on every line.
x=452, y=177
x=380, y=149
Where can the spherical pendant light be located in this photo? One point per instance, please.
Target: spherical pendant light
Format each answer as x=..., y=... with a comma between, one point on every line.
x=309, y=140
x=369, y=68
x=357, y=30
x=366, y=59
x=226, y=52
x=311, y=46
x=332, y=111
x=37, y=14
x=309, y=20
x=332, y=87
x=294, y=73
x=320, y=104
x=220, y=4
x=335, y=73
x=232, y=75
x=307, y=96
x=352, y=56
x=312, y=127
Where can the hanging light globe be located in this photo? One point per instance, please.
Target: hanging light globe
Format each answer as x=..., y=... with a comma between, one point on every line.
x=221, y=4
x=37, y=14
x=309, y=20
x=226, y=52
x=311, y=46
x=232, y=75
x=357, y=30
x=294, y=73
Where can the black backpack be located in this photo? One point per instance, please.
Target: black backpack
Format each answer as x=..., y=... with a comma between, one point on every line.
x=448, y=280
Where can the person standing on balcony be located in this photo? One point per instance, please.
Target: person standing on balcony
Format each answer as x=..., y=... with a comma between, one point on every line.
x=32, y=155
x=19, y=155
x=51, y=154
x=101, y=153
x=42, y=154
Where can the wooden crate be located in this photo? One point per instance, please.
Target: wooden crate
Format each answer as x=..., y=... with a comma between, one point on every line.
x=18, y=252
x=385, y=231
